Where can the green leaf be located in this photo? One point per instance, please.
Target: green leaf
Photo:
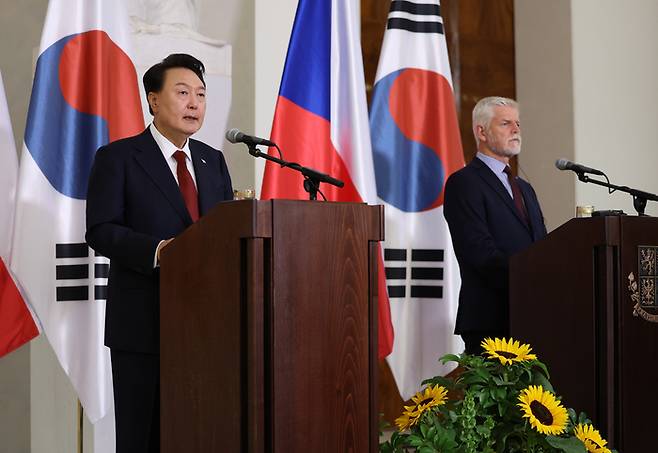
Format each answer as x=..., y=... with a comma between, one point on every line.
x=483, y=373
x=483, y=430
x=398, y=440
x=440, y=380
x=543, y=368
x=540, y=379
x=567, y=445
x=501, y=393
x=449, y=358
x=501, y=410
x=473, y=379
x=584, y=419
x=415, y=441
x=386, y=447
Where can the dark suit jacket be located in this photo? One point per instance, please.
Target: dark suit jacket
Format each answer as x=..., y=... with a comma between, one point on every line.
x=133, y=202
x=486, y=230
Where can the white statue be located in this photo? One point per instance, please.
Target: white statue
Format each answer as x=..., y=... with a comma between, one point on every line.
x=178, y=18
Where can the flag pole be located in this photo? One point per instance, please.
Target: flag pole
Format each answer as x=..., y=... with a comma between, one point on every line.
x=81, y=414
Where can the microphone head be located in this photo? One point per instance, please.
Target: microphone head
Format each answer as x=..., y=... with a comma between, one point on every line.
x=233, y=135
x=562, y=164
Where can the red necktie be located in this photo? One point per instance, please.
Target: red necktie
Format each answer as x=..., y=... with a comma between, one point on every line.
x=516, y=194
x=187, y=187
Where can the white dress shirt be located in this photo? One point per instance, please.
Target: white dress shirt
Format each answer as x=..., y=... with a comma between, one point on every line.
x=168, y=149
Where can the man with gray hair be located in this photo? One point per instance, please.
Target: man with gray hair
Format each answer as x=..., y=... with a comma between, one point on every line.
x=492, y=215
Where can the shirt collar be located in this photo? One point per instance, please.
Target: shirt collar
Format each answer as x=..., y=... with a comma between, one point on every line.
x=168, y=148
x=494, y=164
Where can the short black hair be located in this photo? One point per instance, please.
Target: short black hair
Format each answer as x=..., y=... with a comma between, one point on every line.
x=154, y=78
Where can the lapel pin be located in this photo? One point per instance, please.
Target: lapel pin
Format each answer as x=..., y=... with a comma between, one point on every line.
x=202, y=160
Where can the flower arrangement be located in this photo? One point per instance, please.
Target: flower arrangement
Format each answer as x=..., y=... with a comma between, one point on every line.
x=502, y=402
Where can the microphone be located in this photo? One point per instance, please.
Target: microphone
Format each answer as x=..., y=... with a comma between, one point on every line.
x=563, y=164
x=235, y=136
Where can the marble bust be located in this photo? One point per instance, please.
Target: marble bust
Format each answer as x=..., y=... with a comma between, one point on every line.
x=178, y=18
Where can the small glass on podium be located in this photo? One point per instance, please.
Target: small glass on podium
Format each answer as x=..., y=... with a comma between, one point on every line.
x=244, y=194
x=584, y=211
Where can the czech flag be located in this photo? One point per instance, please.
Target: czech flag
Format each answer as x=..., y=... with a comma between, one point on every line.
x=321, y=118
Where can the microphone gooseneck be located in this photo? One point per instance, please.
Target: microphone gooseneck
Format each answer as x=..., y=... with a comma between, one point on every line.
x=564, y=164
x=235, y=136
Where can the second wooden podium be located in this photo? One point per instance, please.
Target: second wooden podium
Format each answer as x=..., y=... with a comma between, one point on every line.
x=585, y=298
x=268, y=329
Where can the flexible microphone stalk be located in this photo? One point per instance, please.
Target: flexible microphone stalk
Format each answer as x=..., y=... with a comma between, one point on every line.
x=235, y=136
x=564, y=164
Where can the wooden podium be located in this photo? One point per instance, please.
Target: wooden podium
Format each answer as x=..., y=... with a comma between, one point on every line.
x=268, y=329
x=571, y=298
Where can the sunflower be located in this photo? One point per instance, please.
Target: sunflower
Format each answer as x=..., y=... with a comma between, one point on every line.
x=507, y=351
x=405, y=421
x=545, y=413
x=432, y=396
x=591, y=438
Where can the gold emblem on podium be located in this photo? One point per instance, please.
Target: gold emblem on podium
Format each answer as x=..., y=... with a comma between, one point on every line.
x=643, y=290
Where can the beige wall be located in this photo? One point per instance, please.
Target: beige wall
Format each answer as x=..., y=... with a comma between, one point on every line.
x=615, y=80
x=233, y=21
x=544, y=89
x=587, y=76
x=15, y=402
x=20, y=32
x=273, y=26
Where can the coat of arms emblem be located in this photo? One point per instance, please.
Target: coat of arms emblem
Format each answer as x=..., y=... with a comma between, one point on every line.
x=643, y=290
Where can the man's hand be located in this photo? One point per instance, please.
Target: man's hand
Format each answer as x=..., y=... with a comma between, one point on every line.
x=162, y=245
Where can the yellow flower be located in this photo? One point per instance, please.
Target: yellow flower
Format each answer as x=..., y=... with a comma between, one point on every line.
x=507, y=351
x=404, y=422
x=432, y=396
x=544, y=412
x=591, y=438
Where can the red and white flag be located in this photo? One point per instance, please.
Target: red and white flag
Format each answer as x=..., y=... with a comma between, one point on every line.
x=17, y=326
x=85, y=94
x=321, y=117
x=416, y=145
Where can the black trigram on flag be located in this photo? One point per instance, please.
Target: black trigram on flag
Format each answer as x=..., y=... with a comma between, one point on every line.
x=417, y=17
x=77, y=275
x=420, y=277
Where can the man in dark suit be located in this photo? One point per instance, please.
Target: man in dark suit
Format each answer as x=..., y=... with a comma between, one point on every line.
x=491, y=215
x=143, y=191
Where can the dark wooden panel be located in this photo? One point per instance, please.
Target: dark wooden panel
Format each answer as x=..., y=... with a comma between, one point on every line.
x=637, y=346
x=373, y=390
x=256, y=296
x=321, y=328
x=373, y=25
x=553, y=305
x=602, y=358
x=268, y=330
x=203, y=332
